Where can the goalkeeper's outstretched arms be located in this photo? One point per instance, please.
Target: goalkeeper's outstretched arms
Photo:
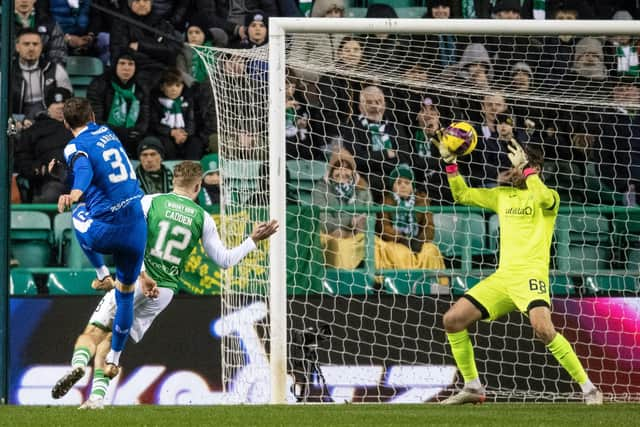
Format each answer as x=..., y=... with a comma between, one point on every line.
x=529, y=164
x=481, y=197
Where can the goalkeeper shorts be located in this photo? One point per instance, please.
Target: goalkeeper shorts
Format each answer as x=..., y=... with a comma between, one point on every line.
x=506, y=291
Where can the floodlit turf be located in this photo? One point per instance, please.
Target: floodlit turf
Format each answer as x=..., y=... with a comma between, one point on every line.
x=493, y=415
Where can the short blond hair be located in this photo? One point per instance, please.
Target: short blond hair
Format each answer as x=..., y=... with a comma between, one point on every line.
x=187, y=173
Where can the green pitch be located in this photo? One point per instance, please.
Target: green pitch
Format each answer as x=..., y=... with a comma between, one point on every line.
x=491, y=415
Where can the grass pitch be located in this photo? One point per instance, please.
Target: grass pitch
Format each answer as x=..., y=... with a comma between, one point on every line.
x=493, y=415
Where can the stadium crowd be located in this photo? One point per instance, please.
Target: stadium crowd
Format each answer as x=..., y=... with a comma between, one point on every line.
x=156, y=96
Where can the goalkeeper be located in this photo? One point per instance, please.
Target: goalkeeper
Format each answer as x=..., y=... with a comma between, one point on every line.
x=527, y=210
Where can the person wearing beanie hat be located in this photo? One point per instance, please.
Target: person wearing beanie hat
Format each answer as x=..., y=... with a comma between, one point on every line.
x=342, y=233
x=406, y=239
x=200, y=32
x=589, y=59
x=210, y=192
x=256, y=24
x=154, y=177
x=119, y=101
x=39, y=145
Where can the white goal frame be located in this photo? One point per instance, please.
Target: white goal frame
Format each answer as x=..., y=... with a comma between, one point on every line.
x=278, y=28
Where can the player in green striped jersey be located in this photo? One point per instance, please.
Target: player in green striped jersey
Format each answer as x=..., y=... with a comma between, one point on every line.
x=175, y=225
x=527, y=210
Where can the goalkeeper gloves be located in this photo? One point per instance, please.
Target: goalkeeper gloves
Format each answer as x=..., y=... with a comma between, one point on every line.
x=447, y=156
x=517, y=155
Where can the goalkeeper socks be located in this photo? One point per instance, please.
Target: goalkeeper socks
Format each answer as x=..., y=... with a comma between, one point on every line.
x=100, y=384
x=587, y=387
x=81, y=357
x=562, y=351
x=123, y=320
x=463, y=354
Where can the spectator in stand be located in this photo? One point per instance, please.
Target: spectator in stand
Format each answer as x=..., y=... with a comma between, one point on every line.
x=373, y=140
x=385, y=50
x=119, y=101
x=33, y=76
x=417, y=149
x=527, y=112
x=216, y=14
x=339, y=94
x=257, y=31
x=318, y=49
x=477, y=166
x=52, y=37
x=342, y=235
x=190, y=63
x=438, y=50
x=73, y=19
x=621, y=52
x=297, y=127
x=172, y=118
x=154, y=177
x=406, y=240
x=41, y=144
x=588, y=75
x=558, y=52
x=239, y=10
x=100, y=24
x=152, y=52
x=210, y=192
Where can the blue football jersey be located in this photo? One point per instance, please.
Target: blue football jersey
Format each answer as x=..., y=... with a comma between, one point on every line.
x=114, y=183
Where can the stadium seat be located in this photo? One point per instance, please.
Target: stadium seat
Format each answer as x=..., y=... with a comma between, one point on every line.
x=72, y=283
x=22, y=283
x=242, y=178
x=583, y=242
x=81, y=70
x=412, y=282
x=346, y=282
x=606, y=284
x=562, y=285
x=304, y=175
x=460, y=235
x=70, y=253
x=31, y=238
x=171, y=164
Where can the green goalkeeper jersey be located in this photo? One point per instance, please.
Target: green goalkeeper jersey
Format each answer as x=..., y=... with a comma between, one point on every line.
x=175, y=225
x=527, y=218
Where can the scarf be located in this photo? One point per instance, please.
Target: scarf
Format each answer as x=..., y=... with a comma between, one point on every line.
x=539, y=8
x=122, y=114
x=468, y=9
x=30, y=22
x=198, y=65
x=423, y=147
x=290, y=122
x=155, y=182
x=380, y=139
x=404, y=221
x=344, y=191
x=628, y=60
x=172, y=117
x=447, y=50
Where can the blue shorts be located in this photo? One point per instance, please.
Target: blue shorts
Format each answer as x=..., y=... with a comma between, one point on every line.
x=124, y=236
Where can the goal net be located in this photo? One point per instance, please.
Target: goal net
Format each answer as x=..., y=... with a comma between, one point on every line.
x=333, y=131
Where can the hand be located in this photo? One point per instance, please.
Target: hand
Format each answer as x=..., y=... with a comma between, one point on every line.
x=149, y=286
x=264, y=230
x=446, y=155
x=517, y=155
x=64, y=202
x=242, y=32
x=133, y=46
x=74, y=41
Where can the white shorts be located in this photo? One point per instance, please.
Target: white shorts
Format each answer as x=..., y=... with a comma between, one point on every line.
x=145, y=310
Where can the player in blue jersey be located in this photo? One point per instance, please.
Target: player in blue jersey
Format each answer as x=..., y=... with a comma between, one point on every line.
x=107, y=217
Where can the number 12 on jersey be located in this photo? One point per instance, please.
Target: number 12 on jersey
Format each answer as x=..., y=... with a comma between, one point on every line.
x=165, y=245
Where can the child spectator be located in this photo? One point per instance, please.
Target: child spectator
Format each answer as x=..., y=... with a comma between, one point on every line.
x=406, y=240
x=210, y=192
x=154, y=177
x=172, y=118
x=257, y=32
x=191, y=63
x=342, y=236
x=118, y=100
x=297, y=128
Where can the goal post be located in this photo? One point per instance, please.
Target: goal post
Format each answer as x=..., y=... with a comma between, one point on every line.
x=366, y=327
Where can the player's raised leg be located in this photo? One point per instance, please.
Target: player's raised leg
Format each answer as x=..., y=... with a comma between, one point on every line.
x=456, y=320
x=558, y=345
x=82, y=225
x=83, y=351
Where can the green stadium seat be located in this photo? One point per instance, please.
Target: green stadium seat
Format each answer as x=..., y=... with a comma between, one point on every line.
x=242, y=177
x=583, y=242
x=81, y=70
x=304, y=176
x=22, y=283
x=562, y=285
x=72, y=283
x=412, y=282
x=605, y=284
x=460, y=235
x=462, y=283
x=70, y=253
x=31, y=238
x=171, y=164
x=346, y=282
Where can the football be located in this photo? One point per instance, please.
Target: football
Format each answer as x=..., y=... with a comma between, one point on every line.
x=460, y=138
